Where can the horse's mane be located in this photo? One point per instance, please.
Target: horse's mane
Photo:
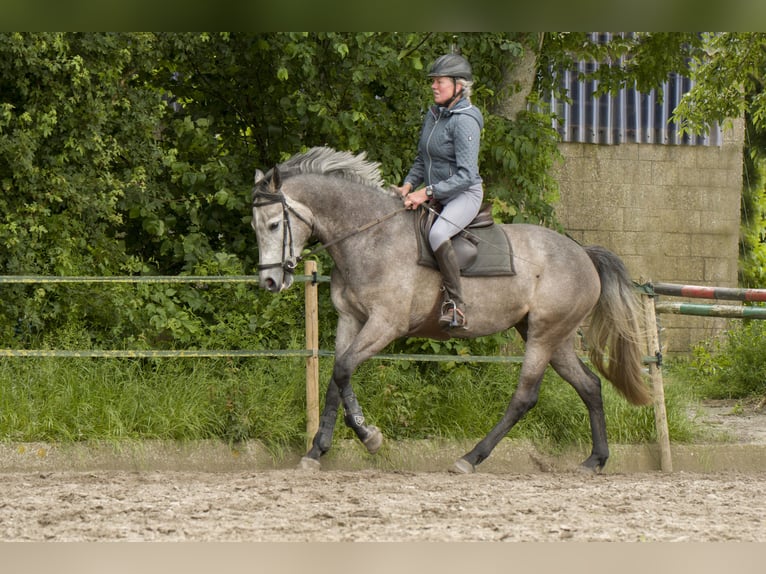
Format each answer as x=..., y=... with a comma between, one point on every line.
x=327, y=161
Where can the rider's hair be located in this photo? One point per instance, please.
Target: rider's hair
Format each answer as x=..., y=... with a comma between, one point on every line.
x=467, y=87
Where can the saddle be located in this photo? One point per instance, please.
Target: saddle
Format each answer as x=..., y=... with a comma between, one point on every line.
x=482, y=248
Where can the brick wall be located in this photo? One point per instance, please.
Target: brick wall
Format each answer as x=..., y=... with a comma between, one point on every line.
x=670, y=212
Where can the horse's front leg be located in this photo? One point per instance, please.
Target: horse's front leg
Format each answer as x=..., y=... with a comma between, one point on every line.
x=365, y=342
x=323, y=438
x=370, y=435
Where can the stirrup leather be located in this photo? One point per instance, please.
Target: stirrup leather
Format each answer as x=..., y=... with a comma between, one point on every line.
x=451, y=316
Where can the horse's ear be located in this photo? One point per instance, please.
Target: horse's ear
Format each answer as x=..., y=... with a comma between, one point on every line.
x=259, y=175
x=276, y=179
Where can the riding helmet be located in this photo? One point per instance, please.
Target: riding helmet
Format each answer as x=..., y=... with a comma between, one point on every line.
x=451, y=66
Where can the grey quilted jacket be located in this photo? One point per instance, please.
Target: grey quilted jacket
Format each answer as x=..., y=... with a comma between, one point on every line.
x=448, y=150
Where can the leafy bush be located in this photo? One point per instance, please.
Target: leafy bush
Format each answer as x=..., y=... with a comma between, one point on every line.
x=734, y=366
x=133, y=153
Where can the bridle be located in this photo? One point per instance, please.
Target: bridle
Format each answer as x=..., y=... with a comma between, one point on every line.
x=289, y=260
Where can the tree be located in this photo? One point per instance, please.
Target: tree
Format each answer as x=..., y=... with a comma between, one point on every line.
x=273, y=94
x=76, y=139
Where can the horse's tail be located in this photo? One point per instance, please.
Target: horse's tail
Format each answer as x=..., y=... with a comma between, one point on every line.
x=615, y=328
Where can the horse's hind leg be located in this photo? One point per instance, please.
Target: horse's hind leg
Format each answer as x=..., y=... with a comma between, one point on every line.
x=523, y=399
x=588, y=386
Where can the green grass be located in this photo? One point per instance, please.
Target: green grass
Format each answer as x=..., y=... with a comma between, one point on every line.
x=467, y=401
x=66, y=400
x=732, y=366
x=93, y=399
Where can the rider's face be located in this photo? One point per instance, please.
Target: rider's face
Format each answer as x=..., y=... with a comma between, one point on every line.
x=444, y=89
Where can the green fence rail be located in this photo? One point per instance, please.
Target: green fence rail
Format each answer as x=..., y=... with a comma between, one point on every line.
x=205, y=353
x=201, y=279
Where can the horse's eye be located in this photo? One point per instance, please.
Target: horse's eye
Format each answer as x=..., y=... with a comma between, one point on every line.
x=274, y=226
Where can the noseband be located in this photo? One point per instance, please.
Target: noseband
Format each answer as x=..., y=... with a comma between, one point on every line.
x=289, y=261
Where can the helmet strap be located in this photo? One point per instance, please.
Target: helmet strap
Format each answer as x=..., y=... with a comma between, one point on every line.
x=456, y=95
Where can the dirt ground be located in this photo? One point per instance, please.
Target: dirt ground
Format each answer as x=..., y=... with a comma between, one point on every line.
x=375, y=505
x=743, y=422
x=381, y=506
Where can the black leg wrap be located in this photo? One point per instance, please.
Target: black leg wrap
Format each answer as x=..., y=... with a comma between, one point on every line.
x=370, y=436
x=353, y=416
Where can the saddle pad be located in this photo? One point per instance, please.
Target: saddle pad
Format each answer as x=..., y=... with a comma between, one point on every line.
x=494, y=257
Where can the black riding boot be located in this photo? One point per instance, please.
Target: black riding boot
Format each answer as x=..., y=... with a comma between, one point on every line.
x=453, y=308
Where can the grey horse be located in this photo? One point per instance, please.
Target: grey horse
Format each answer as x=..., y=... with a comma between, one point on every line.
x=381, y=293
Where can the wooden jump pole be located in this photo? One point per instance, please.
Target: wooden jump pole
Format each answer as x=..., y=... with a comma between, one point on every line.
x=730, y=311
x=705, y=292
x=658, y=389
x=312, y=360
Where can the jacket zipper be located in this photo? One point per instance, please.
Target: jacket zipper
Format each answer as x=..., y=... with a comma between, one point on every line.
x=428, y=148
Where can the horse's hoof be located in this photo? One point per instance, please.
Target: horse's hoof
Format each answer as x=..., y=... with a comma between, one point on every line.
x=462, y=466
x=374, y=440
x=309, y=464
x=588, y=470
x=592, y=465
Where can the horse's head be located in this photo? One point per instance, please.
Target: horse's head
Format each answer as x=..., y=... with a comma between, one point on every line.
x=284, y=206
x=281, y=232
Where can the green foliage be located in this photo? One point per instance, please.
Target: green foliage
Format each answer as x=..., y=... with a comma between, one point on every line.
x=734, y=366
x=729, y=76
x=133, y=153
x=75, y=138
x=752, y=247
x=519, y=157
x=646, y=59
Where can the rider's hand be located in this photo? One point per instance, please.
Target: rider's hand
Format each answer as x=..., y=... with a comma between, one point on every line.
x=404, y=189
x=415, y=199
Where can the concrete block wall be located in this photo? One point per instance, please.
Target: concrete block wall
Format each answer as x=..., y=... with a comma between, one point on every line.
x=672, y=214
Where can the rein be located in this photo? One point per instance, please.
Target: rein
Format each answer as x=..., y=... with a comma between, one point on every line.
x=288, y=264
x=353, y=232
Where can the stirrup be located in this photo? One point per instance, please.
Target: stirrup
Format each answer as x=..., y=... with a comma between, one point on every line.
x=452, y=317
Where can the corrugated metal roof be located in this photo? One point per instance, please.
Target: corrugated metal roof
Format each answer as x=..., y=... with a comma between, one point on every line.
x=628, y=116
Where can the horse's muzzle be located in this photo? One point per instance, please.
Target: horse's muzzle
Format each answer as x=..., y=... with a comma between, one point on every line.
x=276, y=281
x=276, y=277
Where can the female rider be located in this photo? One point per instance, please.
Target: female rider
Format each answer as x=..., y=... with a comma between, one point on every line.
x=447, y=163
